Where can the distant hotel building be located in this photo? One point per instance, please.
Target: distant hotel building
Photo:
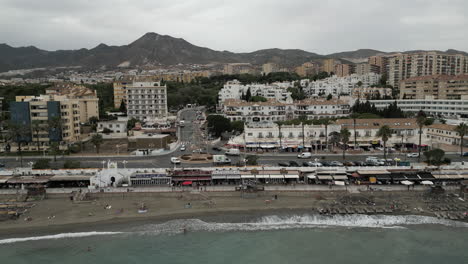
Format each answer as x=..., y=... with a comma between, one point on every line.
x=235, y=89
x=146, y=101
x=340, y=85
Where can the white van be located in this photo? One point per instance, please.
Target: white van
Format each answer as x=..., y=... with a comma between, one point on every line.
x=304, y=155
x=233, y=152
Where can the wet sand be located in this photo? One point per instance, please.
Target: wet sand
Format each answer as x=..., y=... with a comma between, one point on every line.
x=59, y=214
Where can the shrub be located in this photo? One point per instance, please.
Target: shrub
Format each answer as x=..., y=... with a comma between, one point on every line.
x=41, y=164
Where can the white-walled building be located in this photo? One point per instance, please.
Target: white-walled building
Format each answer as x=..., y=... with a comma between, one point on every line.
x=146, y=101
x=277, y=91
x=341, y=85
x=435, y=107
x=237, y=110
x=116, y=126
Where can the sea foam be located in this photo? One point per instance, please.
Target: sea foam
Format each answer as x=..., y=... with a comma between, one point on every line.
x=275, y=222
x=57, y=236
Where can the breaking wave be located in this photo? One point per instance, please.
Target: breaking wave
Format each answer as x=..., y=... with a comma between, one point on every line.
x=57, y=236
x=275, y=222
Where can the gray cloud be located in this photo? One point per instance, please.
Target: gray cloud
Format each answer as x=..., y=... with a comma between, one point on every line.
x=242, y=25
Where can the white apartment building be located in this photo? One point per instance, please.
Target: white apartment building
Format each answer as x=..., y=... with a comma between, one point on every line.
x=146, y=101
x=435, y=107
x=237, y=110
x=268, y=135
x=341, y=85
x=116, y=126
x=276, y=91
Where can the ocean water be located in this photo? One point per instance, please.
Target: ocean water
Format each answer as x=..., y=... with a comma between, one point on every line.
x=266, y=239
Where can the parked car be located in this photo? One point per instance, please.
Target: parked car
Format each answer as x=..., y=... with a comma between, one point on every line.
x=372, y=163
x=315, y=164
x=336, y=164
x=182, y=148
x=304, y=155
x=305, y=164
x=292, y=163
x=216, y=148
x=412, y=155
x=359, y=163
x=283, y=164
x=175, y=160
x=326, y=163
x=2, y=165
x=349, y=164
x=465, y=154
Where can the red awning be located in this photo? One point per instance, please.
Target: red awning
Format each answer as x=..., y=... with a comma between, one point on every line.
x=187, y=183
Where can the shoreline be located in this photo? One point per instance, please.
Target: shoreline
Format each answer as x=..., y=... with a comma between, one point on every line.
x=74, y=217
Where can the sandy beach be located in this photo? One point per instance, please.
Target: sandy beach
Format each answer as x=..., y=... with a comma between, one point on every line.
x=58, y=213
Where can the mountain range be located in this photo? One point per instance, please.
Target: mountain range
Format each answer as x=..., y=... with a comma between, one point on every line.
x=156, y=49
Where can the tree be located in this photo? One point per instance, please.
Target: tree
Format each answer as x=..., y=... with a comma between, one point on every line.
x=354, y=116
x=334, y=138
x=385, y=133
x=19, y=134
x=344, y=137
x=462, y=130
x=258, y=99
x=123, y=107
x=280, y=135
x=329, y=97
x=131, y=123
x=37, y=127
x=41, y=164
x=421, y=120
x=326, y=122
x=251, y=160
x=217, y=124
x=248, y=95
x=237, y=126
x=97, y=140
x=54, y=149
x=435, y=157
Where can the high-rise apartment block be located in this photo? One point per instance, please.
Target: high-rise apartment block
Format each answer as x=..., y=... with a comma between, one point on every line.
x=404, y=66
x=146, y=101
x=437, y=86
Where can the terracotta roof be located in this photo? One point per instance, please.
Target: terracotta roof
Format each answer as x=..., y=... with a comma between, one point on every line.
x=442, y=127
x=395, y=123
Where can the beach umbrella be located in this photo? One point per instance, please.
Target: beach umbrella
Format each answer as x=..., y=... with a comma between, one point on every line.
x=187, y=183
x=427, y=183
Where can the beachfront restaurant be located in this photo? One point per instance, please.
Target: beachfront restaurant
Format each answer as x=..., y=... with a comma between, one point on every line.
x=450, y=176
x=191, y=177
x=332, y=177
x=371, y=177
x=410, y=177
x=150, y=179
x=226, y=176
x=69, y=181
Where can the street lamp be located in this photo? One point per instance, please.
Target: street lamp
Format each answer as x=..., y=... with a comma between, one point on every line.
x=125, y=164
x=103, y=163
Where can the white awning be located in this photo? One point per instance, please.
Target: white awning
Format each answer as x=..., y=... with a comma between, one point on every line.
x=218, y=177
x=233, y=177
x=273, y=176
x=291, y=176
x=311, y=176
x=266, y=176
x=267, y=146
x=247, y=176
x=427, y=183
x=340, y=183
x=407, y=182
x=70, y=178
x=324, y=177
x=340, y=177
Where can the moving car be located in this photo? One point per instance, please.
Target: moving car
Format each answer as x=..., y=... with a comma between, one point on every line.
x=182, y=148
x=412, y=155
x=304, y=155
x=233, y=152
x=283, y=164
x=216, y=148
x=175, y=160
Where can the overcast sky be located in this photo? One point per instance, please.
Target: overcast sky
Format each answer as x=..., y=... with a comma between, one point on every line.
x=323, y=26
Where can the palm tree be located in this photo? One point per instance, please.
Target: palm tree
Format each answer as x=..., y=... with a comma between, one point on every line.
x=326, y=122
x=334, y=138
x=421, y=120
x=97, y=140
x=19, y=134
x=354, y=116
x=385, y=133
x=37, y=127
x=462, y=130
x=54, y=126
x=344, y=137
x=280, y=136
